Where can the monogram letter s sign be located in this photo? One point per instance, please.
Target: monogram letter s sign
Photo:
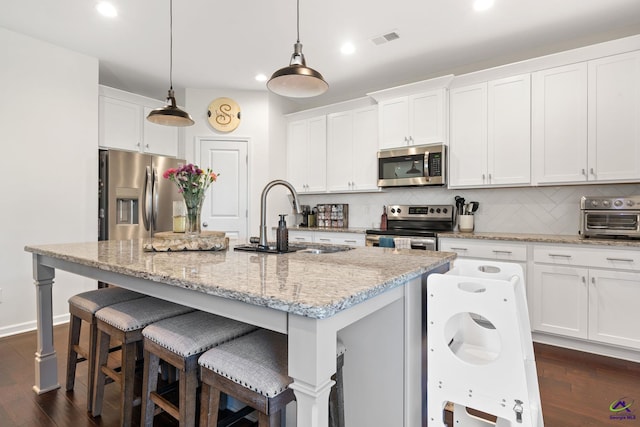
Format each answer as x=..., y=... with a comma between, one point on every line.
x=224, y=114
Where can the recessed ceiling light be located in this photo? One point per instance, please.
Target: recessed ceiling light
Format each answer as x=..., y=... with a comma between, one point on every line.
x=348, y=48
x=107, y=9
x=261, y=77
x=481, y=5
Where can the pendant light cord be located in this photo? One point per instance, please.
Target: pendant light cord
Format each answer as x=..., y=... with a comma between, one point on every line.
x=171, y=44
x=298, y=19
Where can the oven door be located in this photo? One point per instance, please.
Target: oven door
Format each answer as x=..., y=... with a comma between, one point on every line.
x=610, y=223
x=420, y=243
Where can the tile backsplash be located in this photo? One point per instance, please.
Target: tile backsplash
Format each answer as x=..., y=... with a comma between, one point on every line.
x=540, y=210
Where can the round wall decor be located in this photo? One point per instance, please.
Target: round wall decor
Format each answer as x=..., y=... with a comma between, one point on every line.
x=224, y=114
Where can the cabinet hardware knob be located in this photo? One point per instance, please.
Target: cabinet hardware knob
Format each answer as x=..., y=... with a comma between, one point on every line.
x=205, y=224
x=592, y=171
x=584, y=172
x=584, y=280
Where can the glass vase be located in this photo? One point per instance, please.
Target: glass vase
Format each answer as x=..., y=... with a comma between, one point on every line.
x=193, y=226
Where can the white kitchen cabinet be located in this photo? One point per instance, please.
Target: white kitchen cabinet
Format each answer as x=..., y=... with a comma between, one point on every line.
x=614, y=112
x=326, y=237
x=306, y=154
x=413, y=120
x=585, y=126
x=587, y=293
x=123, y=124
x=352, y=142
x=559, y=124
x=490, y=137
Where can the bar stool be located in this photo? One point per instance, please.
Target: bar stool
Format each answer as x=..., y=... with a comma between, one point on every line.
x=124, y=322
x=253, y=370
x=179, y=341
x=83, y=307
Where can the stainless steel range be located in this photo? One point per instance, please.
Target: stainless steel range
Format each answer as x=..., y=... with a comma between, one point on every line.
x=610, y=217
x=420, y=223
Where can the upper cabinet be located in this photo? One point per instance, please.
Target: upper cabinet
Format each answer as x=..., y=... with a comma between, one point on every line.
x=123, y=124
x=352, y=142
x=413, y=120
x=413, y=114
x=585, y=121
x=307, y=154
x=490, y=137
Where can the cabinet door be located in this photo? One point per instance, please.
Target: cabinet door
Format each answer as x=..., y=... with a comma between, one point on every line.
x=613, y=307
x=559, y=124
x=509, y=131
x=365, y=145
x=560, y=300
x=297, y=154
x=317, y=154
x=340, y=151
x=614, y=118
x=394, y=122
x=468, y=144
x=426, y=118
x=119, y=124
x=159, y=139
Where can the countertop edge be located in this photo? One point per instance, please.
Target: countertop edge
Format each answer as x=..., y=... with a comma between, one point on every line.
x=542, y=238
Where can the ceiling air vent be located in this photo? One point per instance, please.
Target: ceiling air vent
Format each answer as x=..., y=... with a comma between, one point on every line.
x=385, y=38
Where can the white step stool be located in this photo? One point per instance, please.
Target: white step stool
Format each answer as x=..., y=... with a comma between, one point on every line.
x=480, y=352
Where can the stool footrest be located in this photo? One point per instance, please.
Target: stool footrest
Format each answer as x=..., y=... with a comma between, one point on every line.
x=236, y=416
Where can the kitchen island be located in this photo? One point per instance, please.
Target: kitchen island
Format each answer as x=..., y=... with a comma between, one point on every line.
x=371, y=297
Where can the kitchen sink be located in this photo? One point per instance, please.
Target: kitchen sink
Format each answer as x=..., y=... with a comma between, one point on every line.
x=316, y=249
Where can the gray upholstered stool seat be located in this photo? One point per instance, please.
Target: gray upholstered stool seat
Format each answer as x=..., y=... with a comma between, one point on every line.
x=179, y=341
x=124, y=322
x=251, y=369
x=83, y=307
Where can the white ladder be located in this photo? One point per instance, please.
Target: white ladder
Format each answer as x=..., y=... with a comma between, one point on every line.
x=480, y=352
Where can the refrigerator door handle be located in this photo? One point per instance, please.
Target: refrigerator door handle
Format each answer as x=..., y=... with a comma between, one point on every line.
x=155, y=195
x=146, y=218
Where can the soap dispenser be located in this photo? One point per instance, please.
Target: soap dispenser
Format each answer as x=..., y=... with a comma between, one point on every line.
x=282, y=235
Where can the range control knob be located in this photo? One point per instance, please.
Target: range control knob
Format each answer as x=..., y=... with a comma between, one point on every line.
x=431, y=210
x=438, y=210
x=445, y=210
x=617, y=203
x=606, y=203
x=399, y=210
x=393, y=210
x=630, y=203
x=594, y=203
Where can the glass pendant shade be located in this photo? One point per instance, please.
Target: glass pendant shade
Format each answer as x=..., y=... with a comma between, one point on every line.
x=170, y=114
x=297, y=80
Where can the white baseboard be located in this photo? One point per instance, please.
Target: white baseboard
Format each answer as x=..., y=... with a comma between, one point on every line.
x=20, y=328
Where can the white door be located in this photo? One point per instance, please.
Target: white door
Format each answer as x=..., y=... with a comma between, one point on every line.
x=225, y=207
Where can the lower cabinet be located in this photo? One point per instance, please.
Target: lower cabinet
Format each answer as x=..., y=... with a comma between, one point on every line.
x=327, y=237
x=573, y=297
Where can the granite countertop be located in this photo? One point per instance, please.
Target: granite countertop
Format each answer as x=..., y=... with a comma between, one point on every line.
x=543, y=238
x=312, y=285
x=329, y=229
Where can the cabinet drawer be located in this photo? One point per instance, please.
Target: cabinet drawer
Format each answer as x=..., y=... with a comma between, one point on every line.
x=601, y=257
x=352, y=239
x=300, y=236
x=467, y=248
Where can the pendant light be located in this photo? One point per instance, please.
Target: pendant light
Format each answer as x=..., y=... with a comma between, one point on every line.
x=170, y=114
x=297, y=80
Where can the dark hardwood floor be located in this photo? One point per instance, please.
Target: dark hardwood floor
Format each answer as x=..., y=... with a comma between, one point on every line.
x=577, y=389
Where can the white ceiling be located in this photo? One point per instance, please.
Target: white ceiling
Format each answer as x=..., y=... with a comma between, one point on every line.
x=224, y=44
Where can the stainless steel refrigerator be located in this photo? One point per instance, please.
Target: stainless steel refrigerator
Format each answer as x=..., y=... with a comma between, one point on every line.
x=134, y=199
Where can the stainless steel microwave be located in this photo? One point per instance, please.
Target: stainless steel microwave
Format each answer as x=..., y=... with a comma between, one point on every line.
x=410, y=166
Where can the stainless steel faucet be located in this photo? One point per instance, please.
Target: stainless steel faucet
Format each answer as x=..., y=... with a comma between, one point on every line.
x=262, y=243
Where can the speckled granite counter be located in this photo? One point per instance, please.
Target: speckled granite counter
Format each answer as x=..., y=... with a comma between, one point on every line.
x=371, y=296
x=543, y=238
x=313, y=285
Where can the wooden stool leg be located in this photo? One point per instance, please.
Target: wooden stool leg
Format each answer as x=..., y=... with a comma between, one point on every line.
x=129, y=352
x=91, y=360
x=188, y=384
x=209, y=407
x=100, y=377
x=72, y=355
x=149, y=384
x=271, y=420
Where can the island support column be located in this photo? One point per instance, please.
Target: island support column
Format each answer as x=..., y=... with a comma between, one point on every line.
x=312, y=362
x=46, y=359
